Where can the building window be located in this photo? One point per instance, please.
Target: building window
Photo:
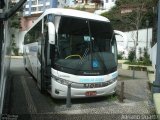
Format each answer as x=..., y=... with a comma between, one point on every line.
x=33, y=2
x=27, y=3
x=40, y=1
x=26, y=9
x=33, y=9
x=40, y=8
x=112, y=0
x=48, y=6
x=106, y=1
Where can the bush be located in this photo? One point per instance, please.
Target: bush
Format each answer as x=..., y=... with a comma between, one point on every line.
x=131, y=55
x=146, y=59
x=143, y=60
x=120, y=56
x=15, y=51
x=80, y=8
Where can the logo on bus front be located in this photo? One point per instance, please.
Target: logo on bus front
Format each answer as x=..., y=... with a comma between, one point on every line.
x=91, y=79
x=95, y=63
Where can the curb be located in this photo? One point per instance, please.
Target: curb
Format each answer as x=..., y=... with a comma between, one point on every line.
x=17, y=57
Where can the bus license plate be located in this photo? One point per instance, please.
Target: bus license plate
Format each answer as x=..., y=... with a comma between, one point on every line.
x=91, y=93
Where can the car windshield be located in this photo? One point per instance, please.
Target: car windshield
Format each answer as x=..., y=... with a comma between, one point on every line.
x=85, y=45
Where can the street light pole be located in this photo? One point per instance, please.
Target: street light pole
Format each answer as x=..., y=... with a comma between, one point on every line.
x=147, y=24
x=156, y=83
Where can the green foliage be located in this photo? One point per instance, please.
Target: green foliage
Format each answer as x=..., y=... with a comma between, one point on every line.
x=142, y=10
x=114, y=16
x=138, y=63
x=14, y=21
x=82, y=8
x=14, y=48
x=134, y=2
x=145, y=63
x=15, y=51
x=120, y=56
x=113, y=98
x=145, y=60
x=140, y=53
x=131, y=55
x=146, y=55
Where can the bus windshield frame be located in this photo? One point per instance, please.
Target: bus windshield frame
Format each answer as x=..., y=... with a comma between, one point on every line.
x=84, y=46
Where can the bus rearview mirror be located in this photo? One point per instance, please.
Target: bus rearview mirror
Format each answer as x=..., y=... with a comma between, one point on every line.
x=51, y=32
x=123, y=35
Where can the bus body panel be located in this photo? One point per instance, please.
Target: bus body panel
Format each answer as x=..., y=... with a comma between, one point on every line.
x=31, y=58
x=59, y=90
x=83, y=79
x=78, y=93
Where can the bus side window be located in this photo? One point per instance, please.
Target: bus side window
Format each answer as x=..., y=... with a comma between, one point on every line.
x=26, y=39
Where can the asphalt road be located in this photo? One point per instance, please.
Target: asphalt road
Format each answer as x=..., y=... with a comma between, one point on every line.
x=27, y=102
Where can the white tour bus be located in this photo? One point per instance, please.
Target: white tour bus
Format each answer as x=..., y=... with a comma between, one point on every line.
x=72, y=47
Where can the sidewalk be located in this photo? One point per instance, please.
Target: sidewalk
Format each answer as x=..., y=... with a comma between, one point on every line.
x=137, y=89
x=16, y=57
x=129, y=73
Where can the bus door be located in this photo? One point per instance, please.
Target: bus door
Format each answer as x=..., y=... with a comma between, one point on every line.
x=42, y=55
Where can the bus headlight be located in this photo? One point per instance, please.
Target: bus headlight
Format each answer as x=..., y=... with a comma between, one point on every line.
x=61, y=81
x=112, y=81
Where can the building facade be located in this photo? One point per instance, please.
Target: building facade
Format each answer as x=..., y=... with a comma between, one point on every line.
x=108, y=4
x=33, y=9
x=144, y=41
x=38, y=6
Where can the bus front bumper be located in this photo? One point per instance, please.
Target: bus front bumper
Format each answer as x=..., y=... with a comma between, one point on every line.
x=60, y=91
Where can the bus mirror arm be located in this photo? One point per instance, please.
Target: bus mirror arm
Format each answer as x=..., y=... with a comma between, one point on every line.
x=51, y=32
x=122, y=34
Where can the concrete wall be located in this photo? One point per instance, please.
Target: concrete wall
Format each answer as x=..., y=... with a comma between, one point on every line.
x=131, y=38
x=20, y=42
x=153, y=55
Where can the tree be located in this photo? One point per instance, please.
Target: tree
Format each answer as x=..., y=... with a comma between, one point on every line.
x=119, y=19
x=131, y=55
x=14, y=21
x=134, y=19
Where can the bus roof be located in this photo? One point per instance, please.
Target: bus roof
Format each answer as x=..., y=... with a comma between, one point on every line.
x=72, y=13
x=75, y=13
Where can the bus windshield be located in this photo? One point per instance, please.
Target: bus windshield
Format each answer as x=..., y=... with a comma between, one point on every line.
x=85, y=46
